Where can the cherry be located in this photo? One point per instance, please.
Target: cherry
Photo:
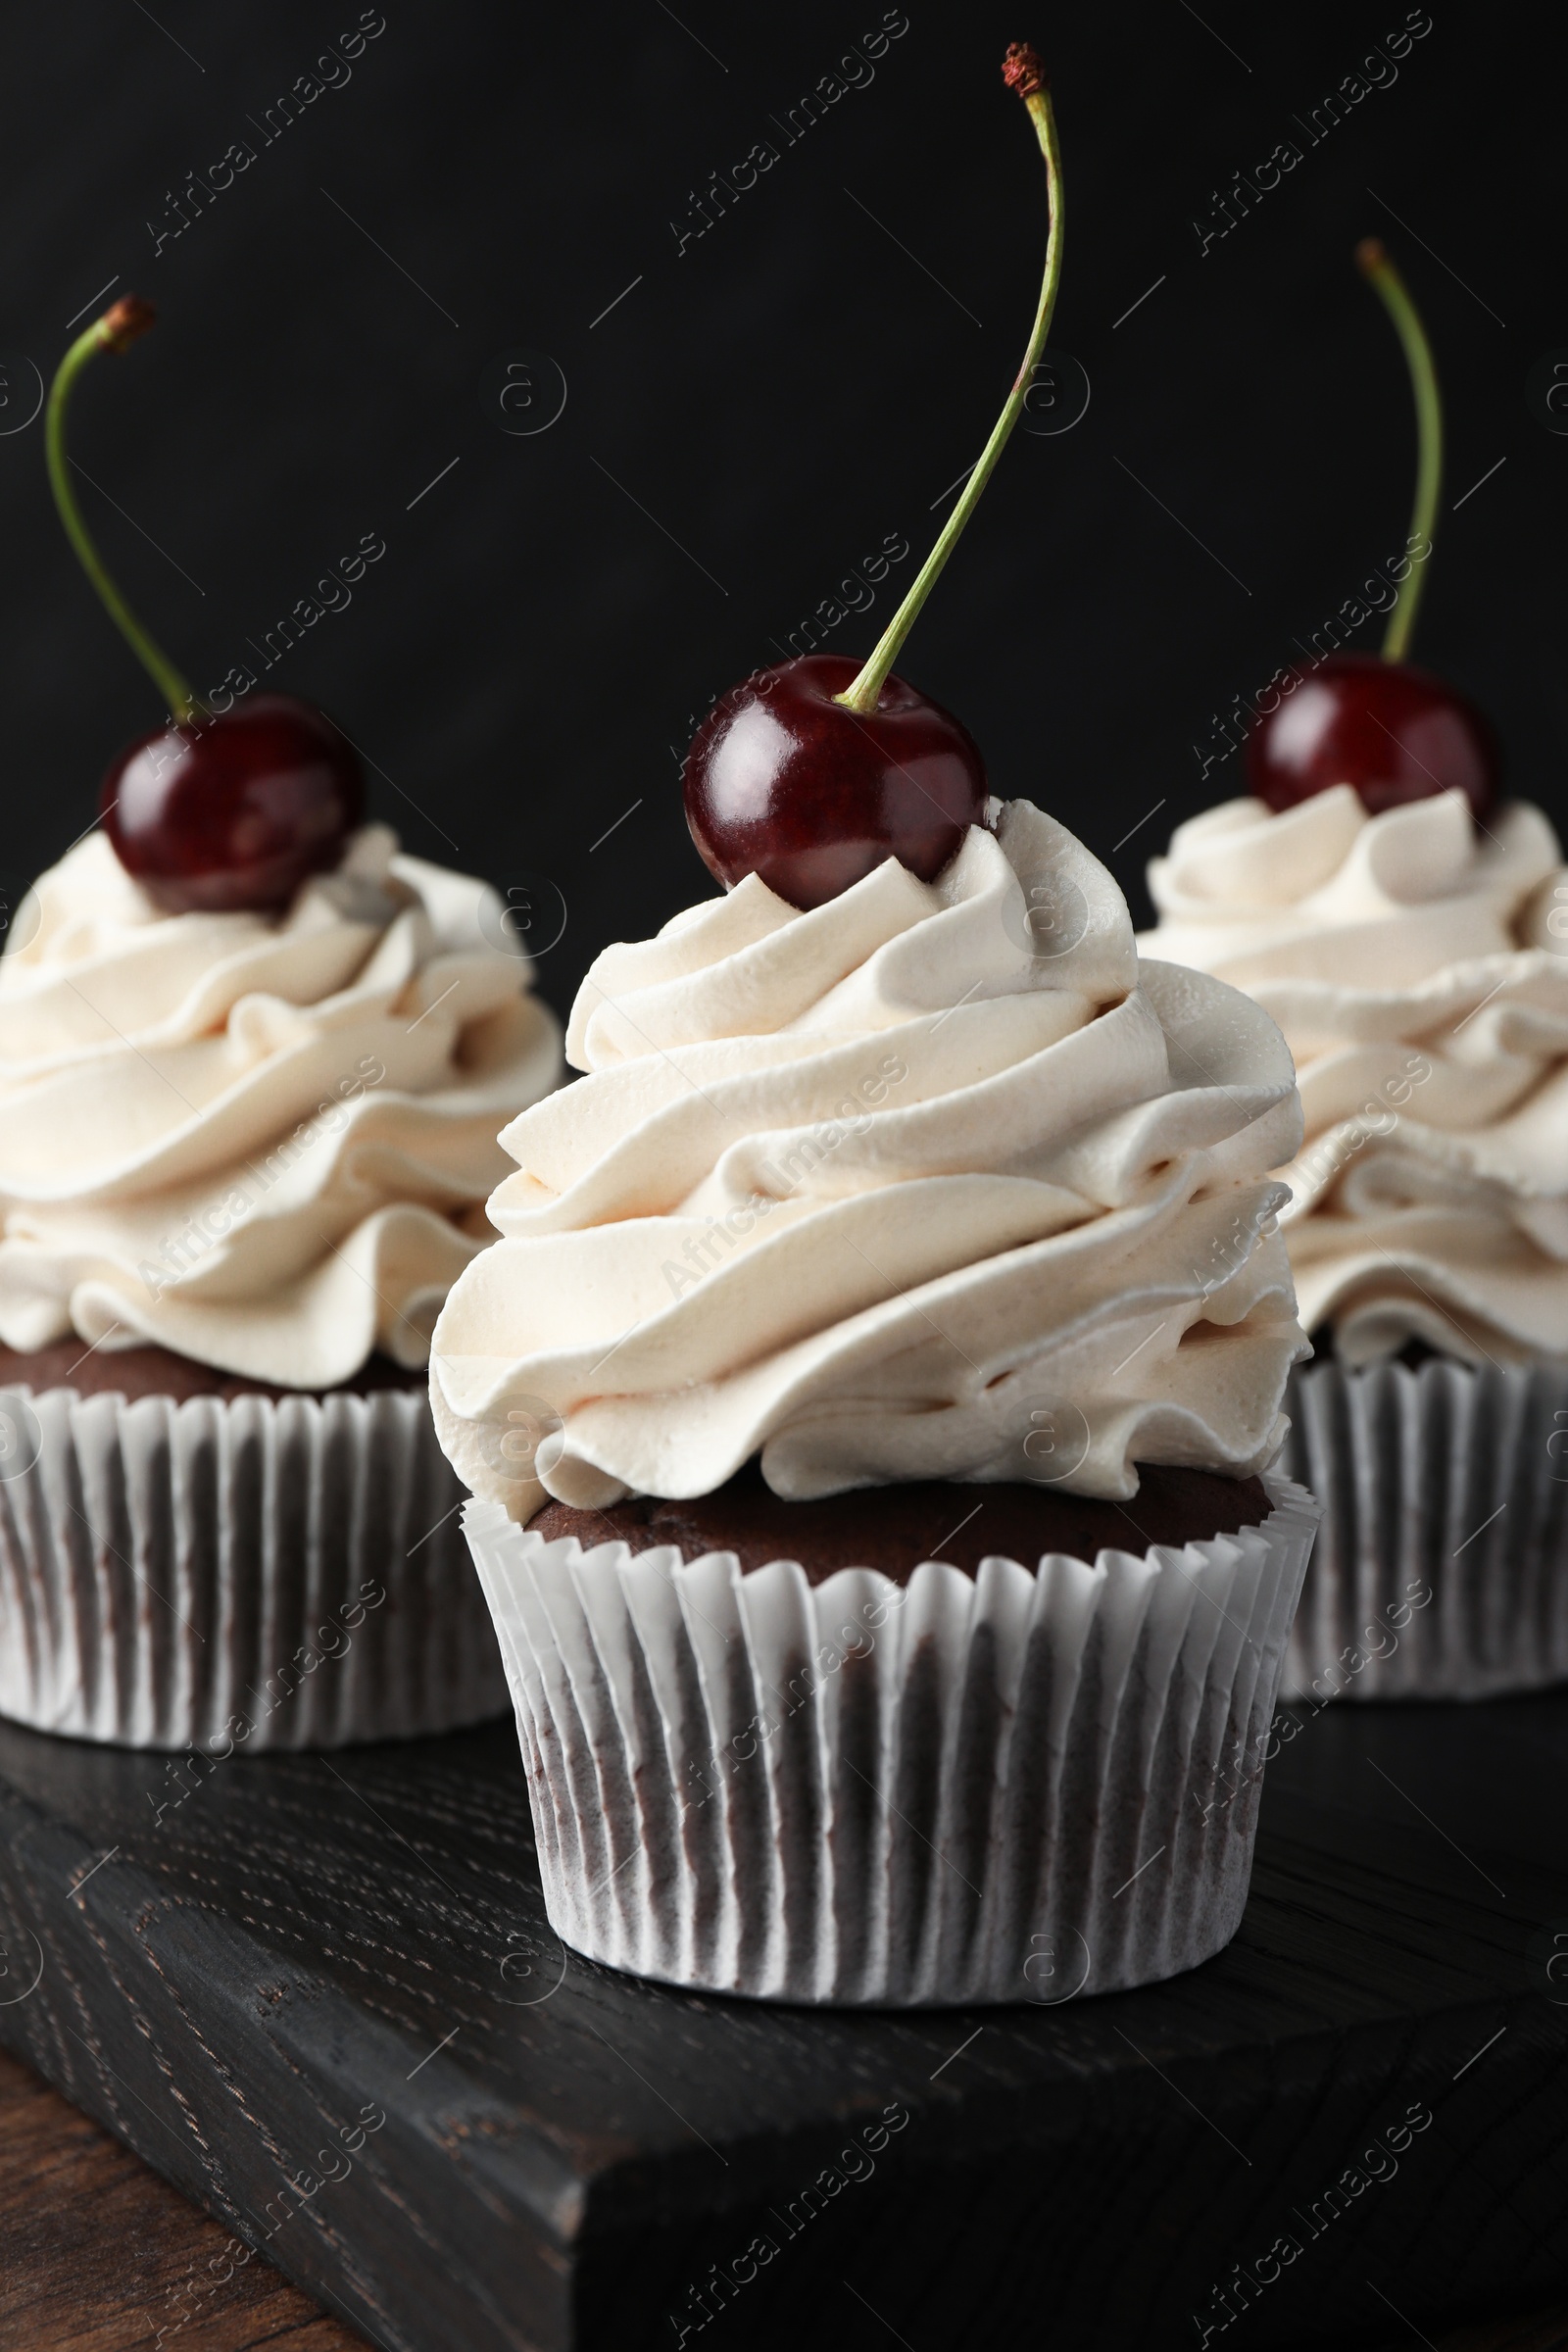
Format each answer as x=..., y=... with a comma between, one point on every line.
x=1376, y=721
x=234, y=811
x=812, y=773
x=218, y=810
x=1393, y=731
x=783, y=782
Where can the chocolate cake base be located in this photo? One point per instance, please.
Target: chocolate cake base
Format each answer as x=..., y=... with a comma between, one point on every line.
x=153, y=1371
x=1413, y=1354
x=893, y=1529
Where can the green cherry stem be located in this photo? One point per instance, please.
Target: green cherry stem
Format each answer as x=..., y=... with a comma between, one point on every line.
x=120, y=326
x=1022, y=71
x=1375, y=266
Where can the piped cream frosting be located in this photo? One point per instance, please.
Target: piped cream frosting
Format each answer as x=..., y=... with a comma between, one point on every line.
x=262, y=1142
x=1418, y=967
x=933, y=1180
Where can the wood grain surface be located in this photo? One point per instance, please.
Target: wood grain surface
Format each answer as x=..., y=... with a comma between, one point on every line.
x=97, y=2253
x=95, y=2248
x=247, y=1982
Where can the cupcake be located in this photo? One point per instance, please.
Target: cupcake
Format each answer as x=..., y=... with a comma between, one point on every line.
x=252, y=1062
x=870, y=1405
x=243, y=1155
x=1407, y=930
x=1414, y=963
x=872, y=1401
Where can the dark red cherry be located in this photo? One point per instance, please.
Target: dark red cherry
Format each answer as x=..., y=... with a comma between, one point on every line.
x=231, y=813
x=1395, y=732
x=783, y=782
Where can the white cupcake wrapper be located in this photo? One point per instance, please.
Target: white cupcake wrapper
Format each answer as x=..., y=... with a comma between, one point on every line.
x=236, y=1574
x=1445, y=1538
x=1000, y=1787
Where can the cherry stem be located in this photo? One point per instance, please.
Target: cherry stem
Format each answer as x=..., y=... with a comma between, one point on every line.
x=117, y=328
x=860, y=697
x=1375, y=266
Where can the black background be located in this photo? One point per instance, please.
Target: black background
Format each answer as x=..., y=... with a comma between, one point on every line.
x=528, y=658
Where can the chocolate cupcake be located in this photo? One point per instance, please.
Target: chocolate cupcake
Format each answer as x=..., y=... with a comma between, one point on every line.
x=871, y=1403
x=1414, y=961
x=243, y=1155
x=872, y=1394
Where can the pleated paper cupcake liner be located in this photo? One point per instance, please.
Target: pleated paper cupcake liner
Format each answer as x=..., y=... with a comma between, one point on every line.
x=1441, y=1568
x=237, y=1576
x=1010, y=1786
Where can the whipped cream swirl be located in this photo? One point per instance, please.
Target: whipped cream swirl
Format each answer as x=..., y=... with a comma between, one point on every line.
x=933, y=1180
x=264, y=1142
x=1418, y=965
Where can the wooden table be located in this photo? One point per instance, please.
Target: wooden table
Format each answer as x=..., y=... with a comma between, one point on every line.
x=93, y=2247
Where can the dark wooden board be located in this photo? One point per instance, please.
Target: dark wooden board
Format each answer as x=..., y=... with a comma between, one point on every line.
x=304, y=1945
x=94, y=2247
